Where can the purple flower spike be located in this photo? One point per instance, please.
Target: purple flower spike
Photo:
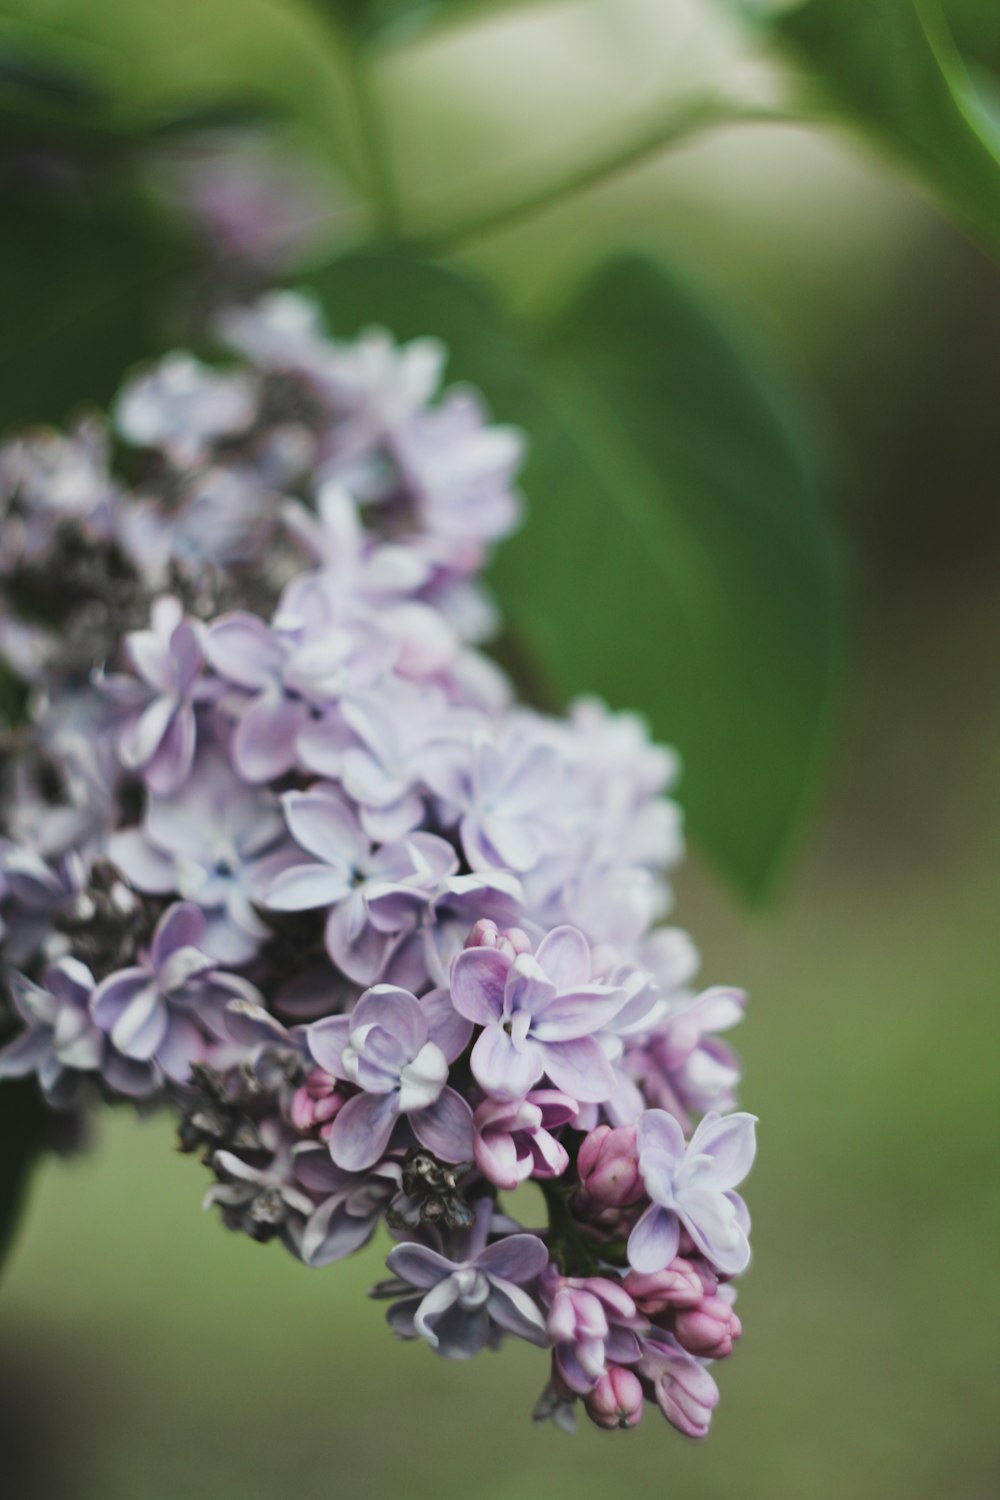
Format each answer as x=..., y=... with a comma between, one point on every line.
x=692, y=1187
x=462, y=1298
x=385, y=1048
x=513, y=1140
x=539, y=1014
x=158, y=735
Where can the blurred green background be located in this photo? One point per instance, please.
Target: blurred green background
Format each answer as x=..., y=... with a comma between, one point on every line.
x=146, y=1353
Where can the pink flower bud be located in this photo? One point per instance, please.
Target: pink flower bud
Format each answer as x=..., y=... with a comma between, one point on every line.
x=486, y=934
x=677, y=1285
x=608, y=1165
x=316, y=1102
x=708, y=1329
x=685, y=1392
x=616, y=1400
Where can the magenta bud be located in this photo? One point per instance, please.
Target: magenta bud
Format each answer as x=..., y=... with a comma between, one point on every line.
x=616, y=1400
x=316, y=1102
x=608, y=1165
x=687, y=1395
x=486, y=934
x=677, y=1285
x=709, y=1329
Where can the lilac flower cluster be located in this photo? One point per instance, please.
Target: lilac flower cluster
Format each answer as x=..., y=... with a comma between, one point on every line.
x=282, y=852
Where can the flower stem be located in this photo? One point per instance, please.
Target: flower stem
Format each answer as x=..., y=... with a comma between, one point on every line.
x=378, y=159
x=680, y=125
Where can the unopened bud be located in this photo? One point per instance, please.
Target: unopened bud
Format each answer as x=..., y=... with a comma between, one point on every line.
x=316, y=1102
x=616, y=1400
x=687, y=1395
x=486, y=934
x=708, y=1329
x=608, y=1165
x=677, y=1285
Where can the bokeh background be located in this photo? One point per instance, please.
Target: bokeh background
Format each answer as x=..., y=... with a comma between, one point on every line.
x=145, y=1353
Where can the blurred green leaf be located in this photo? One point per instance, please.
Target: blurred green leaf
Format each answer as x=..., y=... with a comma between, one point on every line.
x=677, y=558
x=161, y=60
x=23, y=1132
x=975, y=25
x=368, y=17
x=712, y=592
x=83, y=291
x=895, y=66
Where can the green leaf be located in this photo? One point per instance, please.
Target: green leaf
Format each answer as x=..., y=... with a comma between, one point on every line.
x=369, y=17
x=194, y=54
x=676, y=557
x=711, y=593
x=23, y=1131
x=894, y=65
x=975, y=25
x=83, y=290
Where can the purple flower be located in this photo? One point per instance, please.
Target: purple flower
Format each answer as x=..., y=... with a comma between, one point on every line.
x=513, y=1140
x=55, y=479
x=182, y=406
x=246, y=652
x=334, y=537
x=462, y=1297
x=220, y=519
x=205, y=843
x=692, y=1187
x=390, y=752
x=386, y=1048
x=461, y=472
x=443, y=925
x=261, y=1198
x=60, y=1041
x=591, y=1322
x=539, y=1015
x=685, y=1392
x=688, y=1068
x=157, y=737
x=373, y=894
x=281, y=331
x=32, y=892
x=349, y=1206
x=502, y=788
x=167, y=1009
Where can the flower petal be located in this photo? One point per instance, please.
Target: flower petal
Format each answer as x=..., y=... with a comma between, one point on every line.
x=654, y=1240
x=581, y=1069
x=445, y=1127
x=419, y=1265
x=517, y=1257
x=362, y=1129
x=564, y=954
x=501, y=1069
x=478, y=979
